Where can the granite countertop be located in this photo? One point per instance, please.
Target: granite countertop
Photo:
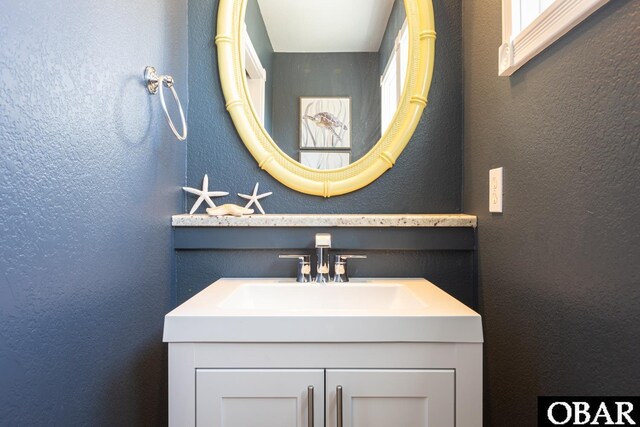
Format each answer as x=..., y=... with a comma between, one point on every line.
x=326, y=220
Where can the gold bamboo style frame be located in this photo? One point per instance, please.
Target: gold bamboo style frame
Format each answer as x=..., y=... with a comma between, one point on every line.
x=382, y=155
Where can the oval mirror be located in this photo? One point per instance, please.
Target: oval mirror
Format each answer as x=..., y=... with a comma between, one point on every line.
x=325, y=95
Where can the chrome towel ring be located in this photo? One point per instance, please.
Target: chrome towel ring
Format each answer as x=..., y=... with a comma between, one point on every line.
x=154, y=81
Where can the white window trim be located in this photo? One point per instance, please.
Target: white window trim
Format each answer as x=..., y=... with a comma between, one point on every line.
x=256, y=76
x=553, y=23
x=388, y=92
x=394, y=74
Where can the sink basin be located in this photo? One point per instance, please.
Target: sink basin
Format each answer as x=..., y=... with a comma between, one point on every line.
x=362, y=310
x=347, y=298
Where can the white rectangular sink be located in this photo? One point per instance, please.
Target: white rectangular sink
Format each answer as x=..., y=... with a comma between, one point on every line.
x=362, y=310
x=295, y=298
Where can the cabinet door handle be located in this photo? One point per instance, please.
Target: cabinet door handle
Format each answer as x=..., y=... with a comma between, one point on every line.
x=310, y=406
x=339, y=406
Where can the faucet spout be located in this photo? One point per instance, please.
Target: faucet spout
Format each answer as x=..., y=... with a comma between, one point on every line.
x=323, y=244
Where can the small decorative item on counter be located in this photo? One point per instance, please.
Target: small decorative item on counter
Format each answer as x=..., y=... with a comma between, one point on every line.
x=253, y=198
x=229, y=209
x=204, y=194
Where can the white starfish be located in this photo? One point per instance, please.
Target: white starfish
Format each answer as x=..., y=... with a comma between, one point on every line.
x=255, y=197
x=205, y=194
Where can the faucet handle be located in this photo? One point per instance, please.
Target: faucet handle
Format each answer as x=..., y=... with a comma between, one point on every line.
x=304, y=266
x=323, y=240
x=340, y=266
x=345, y=257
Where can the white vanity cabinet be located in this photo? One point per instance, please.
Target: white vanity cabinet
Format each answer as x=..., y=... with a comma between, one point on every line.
x=259, y=397
x=411, y=358
x=382, y=384
x=390, y=397
x=358, y=397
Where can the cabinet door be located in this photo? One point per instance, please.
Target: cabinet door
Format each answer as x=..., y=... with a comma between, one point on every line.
x=384, y=398
x=258, y=397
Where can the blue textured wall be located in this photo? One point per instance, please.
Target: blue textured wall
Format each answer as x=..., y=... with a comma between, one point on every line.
x=559, y=271
x=89, y=178
x=426, y=178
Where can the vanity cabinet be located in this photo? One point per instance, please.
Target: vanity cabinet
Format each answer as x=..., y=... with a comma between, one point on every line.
x=370, y=353
x=382, y=384
x=383, y=398
x=292, y=397
x=259, y=397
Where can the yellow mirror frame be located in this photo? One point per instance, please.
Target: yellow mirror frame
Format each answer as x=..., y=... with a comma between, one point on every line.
x=382, y=155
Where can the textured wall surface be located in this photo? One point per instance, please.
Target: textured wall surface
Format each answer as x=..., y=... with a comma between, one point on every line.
x=559, y=271
x=353, y=75
x=426, y=178
x=89, y=178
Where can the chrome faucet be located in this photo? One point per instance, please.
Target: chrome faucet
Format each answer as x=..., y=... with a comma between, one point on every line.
x=340, y=267
x=323, y=244
x=304, y=267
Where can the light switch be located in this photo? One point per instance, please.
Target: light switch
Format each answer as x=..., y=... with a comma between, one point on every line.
x=495, y=190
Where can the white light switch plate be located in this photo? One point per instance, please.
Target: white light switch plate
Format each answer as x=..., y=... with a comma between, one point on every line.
x=495, y=190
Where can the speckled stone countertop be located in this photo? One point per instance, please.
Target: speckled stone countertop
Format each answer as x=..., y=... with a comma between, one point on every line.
x=327, y=220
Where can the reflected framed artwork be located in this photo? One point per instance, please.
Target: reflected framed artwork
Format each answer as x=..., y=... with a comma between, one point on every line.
x=325, y=123
x=324, y=160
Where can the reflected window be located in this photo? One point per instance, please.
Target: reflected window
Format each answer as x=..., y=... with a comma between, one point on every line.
x=392, y=79
x=256, y=77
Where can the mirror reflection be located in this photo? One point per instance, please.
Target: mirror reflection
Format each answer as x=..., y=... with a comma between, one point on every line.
x=325, y=77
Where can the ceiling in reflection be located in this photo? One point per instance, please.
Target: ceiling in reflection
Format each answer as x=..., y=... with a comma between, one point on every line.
x=325, y=25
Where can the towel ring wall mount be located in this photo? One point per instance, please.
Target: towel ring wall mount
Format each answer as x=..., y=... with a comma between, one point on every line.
x=155, y=82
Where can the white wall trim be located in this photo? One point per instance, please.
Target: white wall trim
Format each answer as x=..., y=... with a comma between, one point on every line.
x=256, y=76
x=253, y=65
x=553, y=23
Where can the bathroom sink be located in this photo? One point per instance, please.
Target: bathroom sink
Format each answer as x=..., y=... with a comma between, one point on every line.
x=294, y=298
x=362, y=310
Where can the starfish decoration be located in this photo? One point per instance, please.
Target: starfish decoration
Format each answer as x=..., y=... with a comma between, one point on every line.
x=205, y=194
x=255, y=197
